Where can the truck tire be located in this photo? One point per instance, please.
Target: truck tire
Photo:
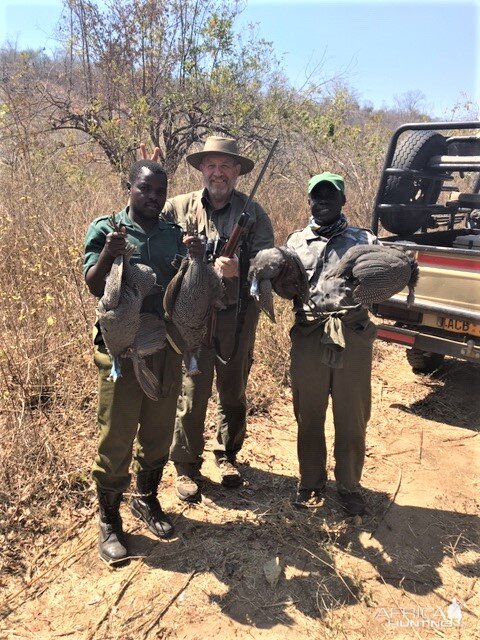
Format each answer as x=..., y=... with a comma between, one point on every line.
x=424, y=361
x=413, y=152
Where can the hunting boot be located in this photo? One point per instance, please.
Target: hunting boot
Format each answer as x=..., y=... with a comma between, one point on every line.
x=146, y=507
x=188, y=483
x=112, y=546
x=231, y=476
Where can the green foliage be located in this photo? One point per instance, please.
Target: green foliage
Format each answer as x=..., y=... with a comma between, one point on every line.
x=168, y=73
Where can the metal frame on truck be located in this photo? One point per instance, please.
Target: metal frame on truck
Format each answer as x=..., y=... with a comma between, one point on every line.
x=421, y=190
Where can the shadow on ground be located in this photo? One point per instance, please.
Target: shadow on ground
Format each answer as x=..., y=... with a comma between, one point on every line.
x=402, y=546
x=447, y=384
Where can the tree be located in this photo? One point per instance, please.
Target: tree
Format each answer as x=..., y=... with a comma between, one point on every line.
x=163, y=71
x=23, y=112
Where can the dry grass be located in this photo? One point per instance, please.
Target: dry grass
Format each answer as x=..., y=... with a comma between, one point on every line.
x=48, y=382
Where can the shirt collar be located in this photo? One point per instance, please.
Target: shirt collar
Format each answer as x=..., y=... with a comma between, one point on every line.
x=206, y=200
x=125, y=220
x=309, y=234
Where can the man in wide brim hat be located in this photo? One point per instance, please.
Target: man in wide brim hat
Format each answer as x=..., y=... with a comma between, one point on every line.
x=225, y=146
x=214, y=211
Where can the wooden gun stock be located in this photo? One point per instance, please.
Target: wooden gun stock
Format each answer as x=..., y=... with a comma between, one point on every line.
x=228, y=251
x=231, y=245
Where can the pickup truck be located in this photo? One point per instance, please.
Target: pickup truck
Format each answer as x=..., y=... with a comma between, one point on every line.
x=428, y=197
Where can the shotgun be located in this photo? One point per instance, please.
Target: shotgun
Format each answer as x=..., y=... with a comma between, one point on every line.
x=228, y=250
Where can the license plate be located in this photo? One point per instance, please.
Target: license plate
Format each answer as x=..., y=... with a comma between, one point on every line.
x=450, y=324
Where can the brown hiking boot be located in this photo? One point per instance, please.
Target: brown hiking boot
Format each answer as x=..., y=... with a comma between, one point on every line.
x=308, y=498
x=231, y=476
x=187, y=488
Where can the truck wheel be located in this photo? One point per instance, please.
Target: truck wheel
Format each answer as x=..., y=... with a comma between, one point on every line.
x=424, y=361
x=413, y=152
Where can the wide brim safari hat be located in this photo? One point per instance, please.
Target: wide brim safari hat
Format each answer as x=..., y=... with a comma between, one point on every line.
x=227, y=146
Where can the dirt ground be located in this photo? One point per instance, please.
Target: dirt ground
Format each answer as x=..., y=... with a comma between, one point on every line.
x=392, y=574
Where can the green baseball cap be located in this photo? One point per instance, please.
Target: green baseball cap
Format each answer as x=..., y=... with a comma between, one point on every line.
x=333, y=178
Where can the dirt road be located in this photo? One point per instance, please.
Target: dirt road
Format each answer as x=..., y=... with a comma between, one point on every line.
x=403, y=564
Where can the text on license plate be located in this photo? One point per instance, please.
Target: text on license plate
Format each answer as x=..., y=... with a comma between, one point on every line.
x=450, y=324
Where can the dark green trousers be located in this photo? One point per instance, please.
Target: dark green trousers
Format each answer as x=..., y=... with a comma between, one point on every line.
x=350, y=390
x=131, y=426
x=188, y=440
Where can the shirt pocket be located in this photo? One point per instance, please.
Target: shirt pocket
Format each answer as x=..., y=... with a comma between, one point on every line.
x=136, y=257
x=310, y=264
x=307, y=257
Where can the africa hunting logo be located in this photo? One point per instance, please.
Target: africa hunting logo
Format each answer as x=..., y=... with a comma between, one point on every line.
x=421, y=617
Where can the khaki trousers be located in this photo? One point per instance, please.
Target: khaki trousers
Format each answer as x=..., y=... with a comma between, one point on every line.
x=350, y=390
x=188, y=440
x=130, y=424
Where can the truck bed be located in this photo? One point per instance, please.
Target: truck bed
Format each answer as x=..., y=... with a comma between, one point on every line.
x=449, y=275
x=445, y=314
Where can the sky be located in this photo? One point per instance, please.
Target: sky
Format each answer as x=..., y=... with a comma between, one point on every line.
x=379, y=49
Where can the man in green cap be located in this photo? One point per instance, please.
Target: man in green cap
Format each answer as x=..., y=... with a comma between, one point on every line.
x=331, y=353
x=214, y=211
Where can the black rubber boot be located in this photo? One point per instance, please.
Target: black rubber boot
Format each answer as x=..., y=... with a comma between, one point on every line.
x=112, y=546
x=146, y=507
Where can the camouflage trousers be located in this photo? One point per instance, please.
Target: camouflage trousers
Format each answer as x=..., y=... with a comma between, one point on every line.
x=131, y=426
x=350, y=390
x=231, y=382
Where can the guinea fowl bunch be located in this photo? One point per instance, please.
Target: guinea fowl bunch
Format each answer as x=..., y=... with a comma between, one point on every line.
x=376, y=272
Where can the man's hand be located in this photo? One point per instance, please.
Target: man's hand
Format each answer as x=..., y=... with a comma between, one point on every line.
x=227, y=267
x=155, y=155
x=115, y=245
x=195, y=246
x=116, y=242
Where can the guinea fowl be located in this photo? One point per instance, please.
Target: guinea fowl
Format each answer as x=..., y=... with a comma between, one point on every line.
x=125, y=330
x=279, y=269
x=189, y=298
x=376, y=272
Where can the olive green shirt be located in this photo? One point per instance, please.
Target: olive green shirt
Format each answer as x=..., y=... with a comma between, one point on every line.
x=157, y=249
x=196, y=209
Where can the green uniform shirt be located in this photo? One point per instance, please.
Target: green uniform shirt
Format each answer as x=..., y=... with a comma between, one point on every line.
x=157, y=249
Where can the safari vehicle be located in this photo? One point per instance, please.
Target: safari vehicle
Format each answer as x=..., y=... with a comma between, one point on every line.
x=428, y=197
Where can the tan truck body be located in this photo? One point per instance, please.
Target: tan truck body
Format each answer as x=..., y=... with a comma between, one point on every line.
x=445, y=315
